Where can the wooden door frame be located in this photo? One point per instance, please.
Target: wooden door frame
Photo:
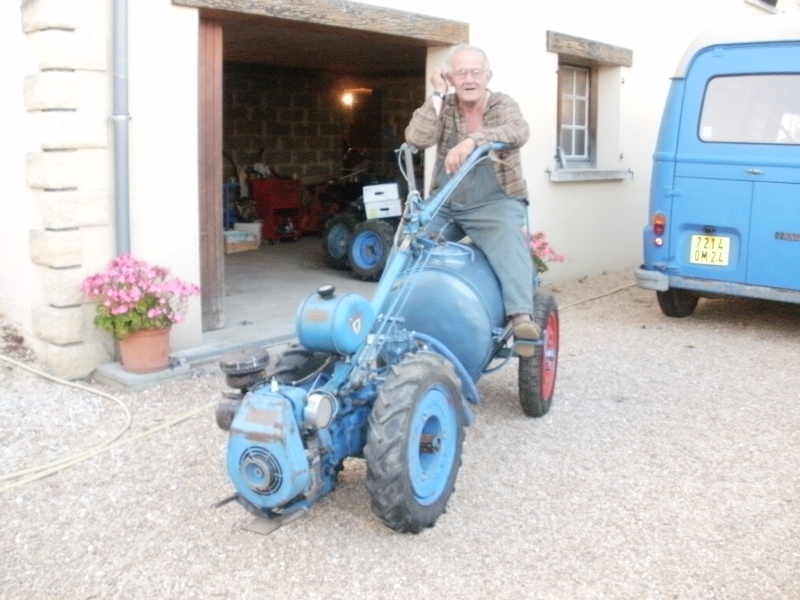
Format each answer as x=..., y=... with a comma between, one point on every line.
x=209, y=168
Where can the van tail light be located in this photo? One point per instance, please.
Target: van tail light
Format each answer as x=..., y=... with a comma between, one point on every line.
x=659, y=224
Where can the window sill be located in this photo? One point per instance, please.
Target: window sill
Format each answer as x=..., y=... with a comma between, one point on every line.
x=571, y=175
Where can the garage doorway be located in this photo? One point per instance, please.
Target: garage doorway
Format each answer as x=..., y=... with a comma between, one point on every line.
x=373, y=53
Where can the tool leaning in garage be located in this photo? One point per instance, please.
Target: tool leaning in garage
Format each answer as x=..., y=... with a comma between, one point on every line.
x=388, y=380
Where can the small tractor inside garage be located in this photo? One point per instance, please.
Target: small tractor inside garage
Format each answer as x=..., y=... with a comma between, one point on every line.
x=360, y=236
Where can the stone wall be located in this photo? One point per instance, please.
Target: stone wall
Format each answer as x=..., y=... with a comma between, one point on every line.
x=295, y=123
x=67, y=96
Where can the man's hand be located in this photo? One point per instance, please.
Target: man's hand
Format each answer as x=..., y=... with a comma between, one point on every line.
x=458, y=154
x=439, y=81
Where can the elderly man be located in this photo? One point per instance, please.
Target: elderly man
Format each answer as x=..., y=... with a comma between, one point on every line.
x=490, y=205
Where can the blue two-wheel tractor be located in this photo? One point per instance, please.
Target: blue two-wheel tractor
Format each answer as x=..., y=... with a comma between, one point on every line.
x=390, y=380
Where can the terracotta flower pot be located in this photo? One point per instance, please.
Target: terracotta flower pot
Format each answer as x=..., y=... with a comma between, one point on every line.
x=145, y=351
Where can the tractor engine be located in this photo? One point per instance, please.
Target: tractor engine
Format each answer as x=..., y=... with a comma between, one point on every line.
x=286, y=446
x=288, y=435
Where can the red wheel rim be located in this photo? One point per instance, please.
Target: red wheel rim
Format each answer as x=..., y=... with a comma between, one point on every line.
x=550, y=357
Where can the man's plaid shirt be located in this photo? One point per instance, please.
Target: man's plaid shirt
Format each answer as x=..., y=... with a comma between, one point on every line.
x=502, y=122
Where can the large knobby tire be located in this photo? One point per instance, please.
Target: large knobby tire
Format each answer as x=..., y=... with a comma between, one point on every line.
x=537, y=374
x=296, y=363
x=336, y=239
x=677, y=303
x=370, y=246
x=414, y=441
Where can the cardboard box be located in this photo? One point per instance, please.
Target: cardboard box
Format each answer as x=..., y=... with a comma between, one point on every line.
x=382, y=200
x=239, y=241
x=233, y=246
x=252, y=228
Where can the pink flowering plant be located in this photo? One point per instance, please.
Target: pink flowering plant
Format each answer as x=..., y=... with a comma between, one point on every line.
x=134, y=296
x=542, y=252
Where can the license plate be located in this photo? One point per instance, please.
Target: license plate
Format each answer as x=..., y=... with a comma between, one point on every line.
x=709, y=250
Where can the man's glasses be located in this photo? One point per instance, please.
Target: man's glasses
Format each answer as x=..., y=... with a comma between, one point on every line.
x=462, y=73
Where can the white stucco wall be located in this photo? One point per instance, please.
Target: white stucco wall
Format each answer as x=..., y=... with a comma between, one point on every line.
x=596, y=225
x=164, y=146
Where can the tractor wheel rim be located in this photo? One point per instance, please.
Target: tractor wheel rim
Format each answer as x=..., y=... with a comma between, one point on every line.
x=550, y=356
x=338, y=239
x=432, y=442
x=367, y=249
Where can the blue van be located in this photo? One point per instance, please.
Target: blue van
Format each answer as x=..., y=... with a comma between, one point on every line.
x=724, y=216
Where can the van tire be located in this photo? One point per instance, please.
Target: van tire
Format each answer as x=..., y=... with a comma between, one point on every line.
x=677, y=303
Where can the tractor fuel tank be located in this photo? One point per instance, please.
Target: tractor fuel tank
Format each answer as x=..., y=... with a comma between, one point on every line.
x=456, y=280
x=328, y=323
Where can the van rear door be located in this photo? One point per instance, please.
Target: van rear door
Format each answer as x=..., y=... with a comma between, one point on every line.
x=736, y=204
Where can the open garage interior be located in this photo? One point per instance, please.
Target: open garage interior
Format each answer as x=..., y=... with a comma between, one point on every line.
x=310, y=114
x=298, y=98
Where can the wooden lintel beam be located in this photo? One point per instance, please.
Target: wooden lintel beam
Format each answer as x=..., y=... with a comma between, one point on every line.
x=350, y=15
x=605, y=54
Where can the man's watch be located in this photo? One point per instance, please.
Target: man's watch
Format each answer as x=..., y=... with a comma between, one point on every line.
x=437, y=93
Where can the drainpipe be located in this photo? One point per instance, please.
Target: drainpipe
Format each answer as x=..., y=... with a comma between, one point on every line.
x=120, y=118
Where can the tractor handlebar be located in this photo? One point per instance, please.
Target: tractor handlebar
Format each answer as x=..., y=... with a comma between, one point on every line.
x=426, y=214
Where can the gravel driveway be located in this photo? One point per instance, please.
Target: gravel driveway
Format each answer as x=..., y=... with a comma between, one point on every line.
x=668, y=467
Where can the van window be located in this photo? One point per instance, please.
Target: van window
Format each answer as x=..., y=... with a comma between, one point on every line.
x=752, y=109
